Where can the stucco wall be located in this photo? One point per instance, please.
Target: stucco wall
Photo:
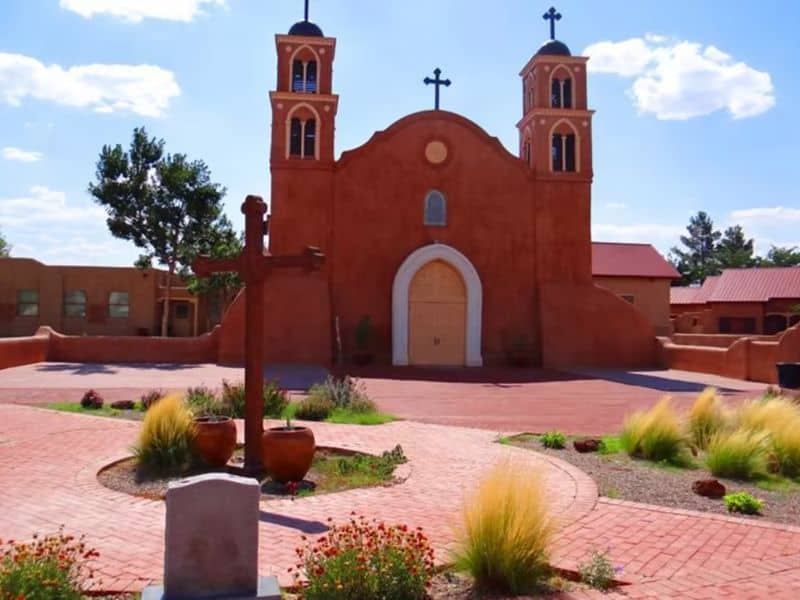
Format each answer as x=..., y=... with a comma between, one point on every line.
x=651, y=296
x=23, y=350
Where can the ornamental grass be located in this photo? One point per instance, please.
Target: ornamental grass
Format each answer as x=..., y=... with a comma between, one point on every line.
x=54, y=567
x=706, y=418
x=739, y=454
x=365, y=560
x=656, y=434
x=786, y=448
x=165, y=440
x=506, y=531
x=769, y=414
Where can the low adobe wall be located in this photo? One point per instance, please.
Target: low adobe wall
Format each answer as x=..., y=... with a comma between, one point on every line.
x=23, y=350
x=716, y=340
x=750, y=358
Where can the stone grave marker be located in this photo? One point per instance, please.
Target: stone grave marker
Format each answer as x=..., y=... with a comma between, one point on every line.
x=211, y=549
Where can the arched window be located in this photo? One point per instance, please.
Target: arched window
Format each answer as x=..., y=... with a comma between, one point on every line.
x=555, y=93
x=304, y=77
x=310, y=138
x=561, y=93
x=435, y=209
x=526, y=152
x=563, y=152
x=296, y=138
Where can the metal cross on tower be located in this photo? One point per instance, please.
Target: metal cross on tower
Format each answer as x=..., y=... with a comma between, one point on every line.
x=437, y=82
x=552, y=15
x=306, y=10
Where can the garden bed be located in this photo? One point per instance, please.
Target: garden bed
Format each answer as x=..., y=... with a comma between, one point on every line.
x=333, y=470
x=620, y=477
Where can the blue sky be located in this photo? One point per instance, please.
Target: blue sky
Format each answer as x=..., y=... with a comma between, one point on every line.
x=694, y=100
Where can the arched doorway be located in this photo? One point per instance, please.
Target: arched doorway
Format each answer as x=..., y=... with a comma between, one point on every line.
x=437, y=316
x=446, y=277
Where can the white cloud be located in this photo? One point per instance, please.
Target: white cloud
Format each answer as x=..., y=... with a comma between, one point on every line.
x=642, y=232
x=136, y=10
x=142, y=89
x=777, y=215
x=678, y=80
x=615, y=205
x=45, y=206
x=11, y=153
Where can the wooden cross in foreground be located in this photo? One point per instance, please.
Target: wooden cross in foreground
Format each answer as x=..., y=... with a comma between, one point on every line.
x=252, y=266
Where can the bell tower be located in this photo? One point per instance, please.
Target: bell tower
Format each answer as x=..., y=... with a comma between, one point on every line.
x=302, y=150
x=555, y=133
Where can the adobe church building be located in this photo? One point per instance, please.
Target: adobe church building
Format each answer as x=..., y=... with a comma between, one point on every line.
x=456, y=249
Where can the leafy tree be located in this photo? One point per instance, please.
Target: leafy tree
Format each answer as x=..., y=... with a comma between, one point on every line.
x=164, y=203
x=781, y=256
x=734, y=249
x=698, y=259
x=5, y=247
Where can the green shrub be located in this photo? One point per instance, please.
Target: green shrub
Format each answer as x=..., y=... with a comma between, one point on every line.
x=313, y=408
x=506, y=531
x=740, y=454
x=655, y=435
x=275, y=400
x=362, y=560
x=598, y=571
x=92, y=400
x=165, y=440
x=744, y=503
x=706, y=417
x=553, y=439
x=148, y=399
x=343, y=393
x=203, y=402
x=54, y=567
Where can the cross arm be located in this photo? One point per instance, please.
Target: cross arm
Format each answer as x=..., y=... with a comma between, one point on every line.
x=203, y=266
x=311, y=259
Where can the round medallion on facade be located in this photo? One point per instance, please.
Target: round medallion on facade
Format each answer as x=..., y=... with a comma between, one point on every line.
x=436, y=152
x=327, y=108
x=280, y=106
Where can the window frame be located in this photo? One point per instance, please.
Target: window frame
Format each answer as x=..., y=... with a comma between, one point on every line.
x=21, y=303
x=112, y=305
x=67, y=303
x=426, y=207
x=181, y=304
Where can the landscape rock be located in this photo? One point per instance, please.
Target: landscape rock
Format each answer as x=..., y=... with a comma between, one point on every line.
x=588, y=445
x=710, y=488
x=123, y=405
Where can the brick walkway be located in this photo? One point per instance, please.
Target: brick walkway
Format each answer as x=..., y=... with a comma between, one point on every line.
x=49, y=461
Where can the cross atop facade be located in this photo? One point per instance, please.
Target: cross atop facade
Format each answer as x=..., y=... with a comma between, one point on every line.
x=306, y=10
x=253, y=266
x=436, y=81
x=551, y=15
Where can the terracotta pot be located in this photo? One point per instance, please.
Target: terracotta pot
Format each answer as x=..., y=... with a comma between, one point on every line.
x=215, y=439
x=288, y=452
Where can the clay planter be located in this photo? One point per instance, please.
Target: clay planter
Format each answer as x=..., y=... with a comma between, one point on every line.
x=215, y=439
x=288, y=452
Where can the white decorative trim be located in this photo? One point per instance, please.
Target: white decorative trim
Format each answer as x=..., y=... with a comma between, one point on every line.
x=402, y=280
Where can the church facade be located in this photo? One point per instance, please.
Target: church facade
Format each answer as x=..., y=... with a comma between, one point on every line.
x=453, y=250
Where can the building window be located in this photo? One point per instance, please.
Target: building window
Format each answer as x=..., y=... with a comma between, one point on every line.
x=563, y=152
x=75, y=303
x=304, y=77
x=561, y=93
x=119, y=305
x=27, y=303
x=310, y=138
x=181, y=310
x=435, y=209
x=737, y=325
x=296, y=138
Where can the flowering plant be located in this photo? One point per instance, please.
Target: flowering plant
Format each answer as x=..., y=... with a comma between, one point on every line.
x=362, y=560
x=92, y=399
x=53, y=567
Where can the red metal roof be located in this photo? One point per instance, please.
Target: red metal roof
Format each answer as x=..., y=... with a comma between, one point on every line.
x=742, y=285
x=613, y=259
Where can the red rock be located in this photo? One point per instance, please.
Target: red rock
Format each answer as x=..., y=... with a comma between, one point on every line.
x=710, y=488
x=588, y=445
x=123, y=405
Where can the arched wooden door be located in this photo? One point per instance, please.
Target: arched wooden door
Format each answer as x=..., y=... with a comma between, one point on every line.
x=437, y=316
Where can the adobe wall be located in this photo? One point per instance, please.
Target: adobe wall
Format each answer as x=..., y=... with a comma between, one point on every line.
x=585, y=325
x=297, y=321
x=716, y=340
x=23, y=351
x=650, y=295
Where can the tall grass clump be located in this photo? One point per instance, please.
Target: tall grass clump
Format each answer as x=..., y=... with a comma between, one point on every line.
x=655, y=435
x=706, y=417
x=739, y=454
x=770, y=414
x=786, y=448
x=165, y=440
x=506, y=531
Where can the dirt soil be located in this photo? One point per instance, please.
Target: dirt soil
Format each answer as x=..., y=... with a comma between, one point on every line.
x=621, y=477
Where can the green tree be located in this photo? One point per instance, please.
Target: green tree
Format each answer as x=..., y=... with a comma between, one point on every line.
x=698, y=258
x=734, y=250
x=781, y=256
x=5, y=247
x=164, y=203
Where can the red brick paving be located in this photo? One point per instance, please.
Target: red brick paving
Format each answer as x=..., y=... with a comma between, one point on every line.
x=49, y=461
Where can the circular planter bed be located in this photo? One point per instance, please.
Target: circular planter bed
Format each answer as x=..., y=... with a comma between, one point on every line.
x=620, y=477
x=332, y=470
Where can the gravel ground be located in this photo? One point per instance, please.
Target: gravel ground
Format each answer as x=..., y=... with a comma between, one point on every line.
x=618, y=476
